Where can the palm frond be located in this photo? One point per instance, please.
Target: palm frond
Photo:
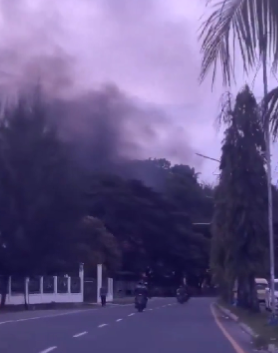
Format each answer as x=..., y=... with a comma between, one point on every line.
x=226, y=109
x=271, y=116
x=253, y=24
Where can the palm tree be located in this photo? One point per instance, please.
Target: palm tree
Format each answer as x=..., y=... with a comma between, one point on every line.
x=253, y=26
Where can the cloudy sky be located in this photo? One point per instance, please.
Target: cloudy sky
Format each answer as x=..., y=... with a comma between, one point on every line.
x=148, y=48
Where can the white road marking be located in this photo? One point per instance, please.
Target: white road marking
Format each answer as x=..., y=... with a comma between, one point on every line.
x=118, y=320
x=102, y=325
x=50, y=349
x=47, y=316
x=131, y=314
x=80, y=334
x=32, y=318
x=5, y=322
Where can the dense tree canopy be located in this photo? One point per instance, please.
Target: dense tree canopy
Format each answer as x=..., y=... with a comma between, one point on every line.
x=54, y=213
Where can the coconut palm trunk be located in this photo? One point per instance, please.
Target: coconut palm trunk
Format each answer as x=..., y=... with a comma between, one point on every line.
x=269, y=188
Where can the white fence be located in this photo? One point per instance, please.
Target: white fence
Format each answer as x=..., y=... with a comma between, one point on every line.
x=47, y=290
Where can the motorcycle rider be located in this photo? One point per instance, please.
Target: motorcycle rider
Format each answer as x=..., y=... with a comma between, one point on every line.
x=180, y=292
x=141, y=289
x=183, y=292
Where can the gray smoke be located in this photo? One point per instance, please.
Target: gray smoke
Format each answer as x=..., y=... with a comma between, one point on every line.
x=106, y=122
x=108, y=128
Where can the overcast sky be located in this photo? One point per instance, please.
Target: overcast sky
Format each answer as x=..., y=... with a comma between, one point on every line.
x=149, y=48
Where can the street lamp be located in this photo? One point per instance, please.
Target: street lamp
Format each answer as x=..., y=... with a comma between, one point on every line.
x=207, y=157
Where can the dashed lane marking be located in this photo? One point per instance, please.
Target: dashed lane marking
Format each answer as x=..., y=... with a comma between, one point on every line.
x=50, y=349
x=47, y=316
x=80, y=334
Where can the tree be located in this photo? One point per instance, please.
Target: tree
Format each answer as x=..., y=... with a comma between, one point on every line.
x=95, y=245
x=248, y=25
x=39, y=200
x=239, y=245
x=153, y=228
x=54, y=215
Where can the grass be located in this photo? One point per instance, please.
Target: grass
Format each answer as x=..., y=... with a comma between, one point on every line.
x=258, y=322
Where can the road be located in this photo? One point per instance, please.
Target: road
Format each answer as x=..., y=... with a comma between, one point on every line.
x=165, y=327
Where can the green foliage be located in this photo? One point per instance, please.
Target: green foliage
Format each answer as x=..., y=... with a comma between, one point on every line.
x=153, y=228
x=38, y=204
x=54, y=215
x=239, y=245
x=250, y=26
x=95, y=245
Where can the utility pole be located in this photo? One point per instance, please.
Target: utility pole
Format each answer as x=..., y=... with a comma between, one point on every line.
x=269, y=189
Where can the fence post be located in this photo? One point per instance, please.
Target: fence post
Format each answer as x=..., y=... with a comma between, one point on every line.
x=41, y=285
x=110, y=293
x=55, y=285
x=69, y=284
x=26, y=289
x=99, y=281
x=81, y=276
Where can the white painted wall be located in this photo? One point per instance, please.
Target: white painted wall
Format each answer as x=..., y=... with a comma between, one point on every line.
x=47, y=298
x=18, y=299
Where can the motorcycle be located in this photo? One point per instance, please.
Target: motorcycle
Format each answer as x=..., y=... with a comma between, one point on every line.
x=140, y=303
x=181, y=299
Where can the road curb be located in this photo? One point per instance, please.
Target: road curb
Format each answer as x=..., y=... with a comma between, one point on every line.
x=227, y=312
x=271, y=347
x=235, y=318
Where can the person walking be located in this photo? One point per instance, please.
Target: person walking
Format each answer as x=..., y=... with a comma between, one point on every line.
x=103, y=294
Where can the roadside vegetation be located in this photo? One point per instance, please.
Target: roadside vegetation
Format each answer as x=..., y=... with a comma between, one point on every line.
x=243, y=33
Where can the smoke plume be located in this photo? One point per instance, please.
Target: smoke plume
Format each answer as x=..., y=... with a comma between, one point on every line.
x=76, y=48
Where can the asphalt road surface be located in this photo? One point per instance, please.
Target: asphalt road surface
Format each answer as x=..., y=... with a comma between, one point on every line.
x=165, y=327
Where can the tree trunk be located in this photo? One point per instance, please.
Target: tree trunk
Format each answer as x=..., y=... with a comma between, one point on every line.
x=227, y=292
x=247, y=294
x=253, y=296
x=242, y=293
